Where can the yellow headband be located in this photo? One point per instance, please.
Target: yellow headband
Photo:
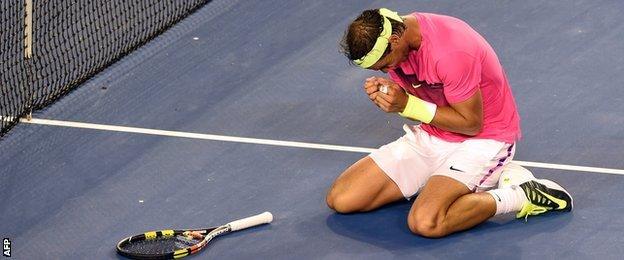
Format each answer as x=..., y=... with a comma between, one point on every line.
x=382, y=41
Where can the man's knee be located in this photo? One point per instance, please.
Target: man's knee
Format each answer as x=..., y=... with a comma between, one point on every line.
x=362, y=187
x=426, y=224
x=341, y=202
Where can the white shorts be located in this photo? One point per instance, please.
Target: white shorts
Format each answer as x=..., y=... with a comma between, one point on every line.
x=412, y=159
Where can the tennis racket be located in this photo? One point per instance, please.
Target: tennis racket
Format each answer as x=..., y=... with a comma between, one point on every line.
x=173, y=244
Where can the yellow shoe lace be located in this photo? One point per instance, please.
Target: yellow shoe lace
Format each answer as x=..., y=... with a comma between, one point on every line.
x=530, y=209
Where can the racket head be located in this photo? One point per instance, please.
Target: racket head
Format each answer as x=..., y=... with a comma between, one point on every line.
x=163, y=244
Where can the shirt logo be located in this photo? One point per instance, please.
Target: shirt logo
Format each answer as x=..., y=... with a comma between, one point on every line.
x=417, y=84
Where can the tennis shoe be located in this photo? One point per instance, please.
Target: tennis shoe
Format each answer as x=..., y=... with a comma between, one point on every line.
x=543, y=196
x=514, y=175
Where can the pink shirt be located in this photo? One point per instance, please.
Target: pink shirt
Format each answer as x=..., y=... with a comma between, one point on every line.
x=453, y=61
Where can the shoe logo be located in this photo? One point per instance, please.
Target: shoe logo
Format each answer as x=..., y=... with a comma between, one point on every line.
x=455, y=169
x=562, y=203
x=416, y=85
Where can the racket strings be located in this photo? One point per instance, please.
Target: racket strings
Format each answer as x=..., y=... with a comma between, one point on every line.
x=160, y=245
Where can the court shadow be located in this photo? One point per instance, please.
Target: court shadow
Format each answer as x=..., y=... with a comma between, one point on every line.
x=387, y=228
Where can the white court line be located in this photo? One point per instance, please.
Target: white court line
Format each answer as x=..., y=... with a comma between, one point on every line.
x=279, y=143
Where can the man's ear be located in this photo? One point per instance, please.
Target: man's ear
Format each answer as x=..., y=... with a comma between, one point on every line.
x=394, y=40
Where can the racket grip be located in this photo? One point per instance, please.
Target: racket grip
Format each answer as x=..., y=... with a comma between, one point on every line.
x=263, y=218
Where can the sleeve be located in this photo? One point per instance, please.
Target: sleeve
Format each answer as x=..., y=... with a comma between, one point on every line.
x=460, y=74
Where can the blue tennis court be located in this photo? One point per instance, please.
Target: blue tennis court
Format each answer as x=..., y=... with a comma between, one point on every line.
x=248, y=106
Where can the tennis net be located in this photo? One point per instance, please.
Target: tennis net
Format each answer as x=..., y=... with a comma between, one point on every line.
x=49, y=47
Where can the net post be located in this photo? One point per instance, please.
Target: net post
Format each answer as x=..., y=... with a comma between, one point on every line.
x=28, y=39
x=28, y=17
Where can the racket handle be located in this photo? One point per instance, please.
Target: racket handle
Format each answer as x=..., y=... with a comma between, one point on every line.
x=259, y=219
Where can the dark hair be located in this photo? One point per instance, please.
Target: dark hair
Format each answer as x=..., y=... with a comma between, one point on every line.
x=362, y=34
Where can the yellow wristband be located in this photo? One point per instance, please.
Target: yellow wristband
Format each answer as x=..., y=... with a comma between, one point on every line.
x=418, y=109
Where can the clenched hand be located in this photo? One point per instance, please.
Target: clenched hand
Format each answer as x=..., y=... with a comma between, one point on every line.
x=392, y=101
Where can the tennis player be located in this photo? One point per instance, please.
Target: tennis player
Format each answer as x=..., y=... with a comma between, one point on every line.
x=445, y=75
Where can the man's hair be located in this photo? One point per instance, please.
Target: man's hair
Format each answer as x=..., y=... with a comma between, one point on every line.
x=362, y=34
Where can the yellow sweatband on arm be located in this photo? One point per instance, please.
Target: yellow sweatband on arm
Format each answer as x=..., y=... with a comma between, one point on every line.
x=418, y=109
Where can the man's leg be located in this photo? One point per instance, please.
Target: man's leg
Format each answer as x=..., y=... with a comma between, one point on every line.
x=447, y=203
x=445, y=206
x=393, y=172
x=362, y=187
